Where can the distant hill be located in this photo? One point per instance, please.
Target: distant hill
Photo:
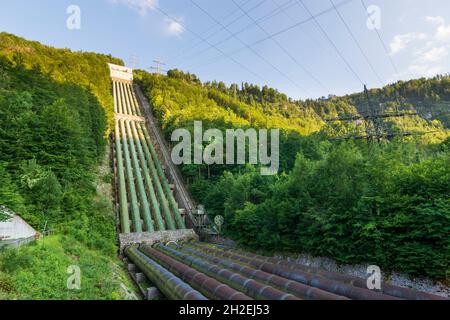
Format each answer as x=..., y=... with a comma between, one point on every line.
x=179, y=94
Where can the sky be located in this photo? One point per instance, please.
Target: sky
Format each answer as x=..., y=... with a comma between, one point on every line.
x=304, y=48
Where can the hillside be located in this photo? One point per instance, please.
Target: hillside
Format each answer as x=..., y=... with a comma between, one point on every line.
x=54, y=111
x=386, y=204
x=85, y=69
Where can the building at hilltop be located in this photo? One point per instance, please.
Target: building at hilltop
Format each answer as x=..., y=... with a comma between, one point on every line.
x=120, y=73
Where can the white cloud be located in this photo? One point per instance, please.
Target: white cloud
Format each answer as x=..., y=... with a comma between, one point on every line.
x=401, y=41
x=435, y=54
x=443, y=33
x=436, y=20
x=142, y=6
x=174, y=27
x=428, y=51
x=422, y=70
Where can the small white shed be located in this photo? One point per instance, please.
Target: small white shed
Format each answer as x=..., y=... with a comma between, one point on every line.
x=15, y=231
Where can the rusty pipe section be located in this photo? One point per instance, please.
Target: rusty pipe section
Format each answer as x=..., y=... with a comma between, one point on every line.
x=208, y=286
x=298, y=289
x=251, y=287
x=170, y=285
x=386, y=288
x=333, y=286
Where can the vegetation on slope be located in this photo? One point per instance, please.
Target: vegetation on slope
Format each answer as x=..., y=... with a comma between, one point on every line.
x=53, y=119
x=387, y=205
x=84, y=69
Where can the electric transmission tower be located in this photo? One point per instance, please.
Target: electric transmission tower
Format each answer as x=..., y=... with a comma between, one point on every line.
x=134, y=61
x=158, y=66
x=375, y=129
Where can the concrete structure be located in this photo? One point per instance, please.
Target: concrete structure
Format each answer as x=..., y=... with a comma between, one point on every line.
x=16, y=232
x=151, y=238
x=120, y=72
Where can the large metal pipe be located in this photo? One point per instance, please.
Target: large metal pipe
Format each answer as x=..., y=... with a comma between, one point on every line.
x=176, y=212
x=251, y=287
x=208, y=286
x=386, y=288
x=124, y=98
x=139, y=180
x=156, y=180
x=139, y=112
x=170, y=285
x=114, y=96
x=127, y=98
x=333, y=286
x=134, y=107
x=131, y=187
x=300, y=290
x=123, y=202
x=148, y=181
x=119, y=98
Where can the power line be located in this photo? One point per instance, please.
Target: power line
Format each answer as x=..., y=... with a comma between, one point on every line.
x=281, y=47
x=204, y=40
x=375, y=129
x=246, y=28
x=246, y=45
x=324, y=48
x=134, y=61
x=227, y=25
x=331, y=42
x=282, y=31
x=190, y=46
x=158, y=66
x=357, y=43
x=381, y=39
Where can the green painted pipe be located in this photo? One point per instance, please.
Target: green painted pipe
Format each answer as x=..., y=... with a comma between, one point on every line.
x=296, y=288
x=124, y=218
x=139, y=180
x=127, y=99
x=163, y=201
x=165, y=184
x=119, y=100
x=124, y=103
x=170, y=285
x=134, y=204
x=139, y=113
x=156, y=210
x=207, y=285
x=130, y=110
x=115, y=97
x=131, y=100
x=248, y=286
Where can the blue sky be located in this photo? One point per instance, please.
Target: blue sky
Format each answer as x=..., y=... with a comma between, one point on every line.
x=416, y=34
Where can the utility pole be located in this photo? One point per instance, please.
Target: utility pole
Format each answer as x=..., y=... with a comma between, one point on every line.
x=158, y=66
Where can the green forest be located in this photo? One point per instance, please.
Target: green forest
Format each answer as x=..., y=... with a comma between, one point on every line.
x=384, y=203
x=55, y=110
x=335, y=196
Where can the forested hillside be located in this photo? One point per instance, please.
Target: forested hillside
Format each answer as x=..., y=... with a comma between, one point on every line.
x=85, y=69
x=386, y=204
x=54, y=107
